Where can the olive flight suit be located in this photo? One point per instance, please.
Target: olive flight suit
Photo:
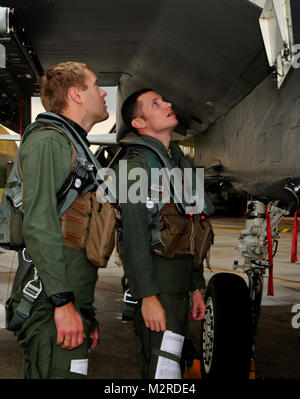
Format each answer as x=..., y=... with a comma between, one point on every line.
x=45, y=160
x=151, y=274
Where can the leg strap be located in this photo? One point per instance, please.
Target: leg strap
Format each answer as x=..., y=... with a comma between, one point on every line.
x=168, y=355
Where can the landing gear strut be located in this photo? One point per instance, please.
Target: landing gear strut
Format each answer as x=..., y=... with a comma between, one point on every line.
x=230, y=323
x=253, y=244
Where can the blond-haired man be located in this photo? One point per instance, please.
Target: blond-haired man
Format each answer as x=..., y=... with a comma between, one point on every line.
x=61, y=327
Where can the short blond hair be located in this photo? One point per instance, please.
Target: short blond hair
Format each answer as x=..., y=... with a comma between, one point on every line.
x=57, y=81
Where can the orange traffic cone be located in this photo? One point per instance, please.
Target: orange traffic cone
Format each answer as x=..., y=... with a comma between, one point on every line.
x=252, y=370
x=193, y=372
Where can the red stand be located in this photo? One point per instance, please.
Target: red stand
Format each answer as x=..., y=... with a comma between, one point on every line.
x=270, y=254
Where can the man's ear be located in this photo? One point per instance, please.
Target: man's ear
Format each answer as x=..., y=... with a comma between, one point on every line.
x=74, y=95
x=138, y=123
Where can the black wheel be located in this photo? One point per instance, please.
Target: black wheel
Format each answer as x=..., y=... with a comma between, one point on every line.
x=226, y=329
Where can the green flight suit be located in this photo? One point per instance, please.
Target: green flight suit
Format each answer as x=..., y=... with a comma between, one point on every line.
x=150, y=274
x=45, y=160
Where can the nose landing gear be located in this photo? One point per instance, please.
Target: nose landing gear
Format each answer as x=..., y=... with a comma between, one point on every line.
x=233, y=307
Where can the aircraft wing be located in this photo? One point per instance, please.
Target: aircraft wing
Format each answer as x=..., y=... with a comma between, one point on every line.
x=207, y=57
x=204, y=56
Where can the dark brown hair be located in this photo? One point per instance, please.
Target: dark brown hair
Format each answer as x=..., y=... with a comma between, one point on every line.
x=129, y=108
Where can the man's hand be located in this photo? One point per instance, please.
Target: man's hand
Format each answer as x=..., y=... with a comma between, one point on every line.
x=69, y=327
x=198, y=310
x=94, y=335
x=153, y=314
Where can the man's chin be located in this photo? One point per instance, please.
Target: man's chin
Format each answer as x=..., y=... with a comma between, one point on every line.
x=104, y=117
x=175, y=122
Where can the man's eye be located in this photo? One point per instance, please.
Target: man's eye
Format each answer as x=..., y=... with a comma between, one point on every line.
x=155, y=104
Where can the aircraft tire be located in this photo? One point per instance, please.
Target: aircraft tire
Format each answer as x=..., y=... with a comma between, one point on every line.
x=226, y=329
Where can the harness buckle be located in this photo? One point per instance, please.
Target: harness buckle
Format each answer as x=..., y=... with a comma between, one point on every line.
x=158, y=247
x=31, y=290
x=24, y=256
x=85, y=164
x=17, y=201
x=128, y=298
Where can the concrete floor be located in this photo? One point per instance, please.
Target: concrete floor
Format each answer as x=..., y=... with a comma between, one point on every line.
x=118, y=355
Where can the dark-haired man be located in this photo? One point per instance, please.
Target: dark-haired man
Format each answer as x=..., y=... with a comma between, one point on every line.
x=160, y=281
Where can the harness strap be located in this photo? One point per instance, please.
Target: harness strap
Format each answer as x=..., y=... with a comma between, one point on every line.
x=30, y=292
x=153, y=208
x=24, y=266
x=21, y=314
x=168, y=355
x=78, y=184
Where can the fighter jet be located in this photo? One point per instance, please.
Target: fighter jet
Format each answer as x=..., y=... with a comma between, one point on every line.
x=230, y=69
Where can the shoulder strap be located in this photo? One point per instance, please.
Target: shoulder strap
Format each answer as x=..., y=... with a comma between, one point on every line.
x=153, y=163
x=208, y=208
x=154, y=157
x=68, y=191
x=153, y=208
x=86, y=160
x=146, y=153
x=204, y=203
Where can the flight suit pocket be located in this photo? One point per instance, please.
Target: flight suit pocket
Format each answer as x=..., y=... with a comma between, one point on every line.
x=69, y=364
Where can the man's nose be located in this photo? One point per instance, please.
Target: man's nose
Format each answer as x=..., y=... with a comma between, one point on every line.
x=103, y=92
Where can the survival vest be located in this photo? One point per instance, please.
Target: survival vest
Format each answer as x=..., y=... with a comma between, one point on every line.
x=173, y=228
x=87, y=224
